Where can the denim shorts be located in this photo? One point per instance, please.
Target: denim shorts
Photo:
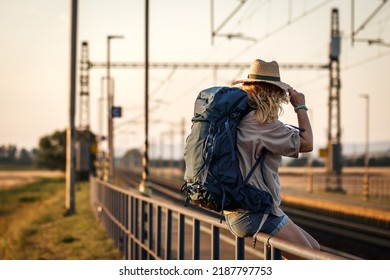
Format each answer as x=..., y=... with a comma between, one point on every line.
x=247, y=224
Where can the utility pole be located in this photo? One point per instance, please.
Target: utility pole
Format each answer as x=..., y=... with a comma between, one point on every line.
x=84, y=117
x=70, y=204
x=100, y=158
x=83, y=136
x=110, y=101
x=334, y=149
x=144, y=185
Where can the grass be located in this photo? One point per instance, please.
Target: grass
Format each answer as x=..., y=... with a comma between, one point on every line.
x=33, y=225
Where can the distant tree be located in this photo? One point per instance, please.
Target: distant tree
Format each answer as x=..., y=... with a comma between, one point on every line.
x=380, y=161
x=3, y=153
x=34, y=154
x=318, y=163
x=304, y=161
x=24, y=157
x=298, y=162
x=8, y=154
x=12, y=151
x=52, y=151
x=11, y=155
x=132, y=160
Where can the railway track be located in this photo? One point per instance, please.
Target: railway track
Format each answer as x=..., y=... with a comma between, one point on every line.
x=338, y=236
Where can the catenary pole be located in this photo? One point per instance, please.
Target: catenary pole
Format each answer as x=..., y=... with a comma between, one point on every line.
x=144, y=186
x=70, y=132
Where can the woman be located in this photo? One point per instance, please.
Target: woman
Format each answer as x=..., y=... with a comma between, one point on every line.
x=262, y=129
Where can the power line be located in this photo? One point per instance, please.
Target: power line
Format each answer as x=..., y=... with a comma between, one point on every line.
x=346, y=68
x=203, y=65
x=292, y=21
x=215, y=32
x=364, y=24
x=185, y=65
x=282, y=27
x=163, y=82
x=366, y=60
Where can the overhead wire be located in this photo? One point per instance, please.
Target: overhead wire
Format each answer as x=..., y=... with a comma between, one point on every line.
x=190, y=88
x=251, y=12
x=366, y=60
x=243, y=2
x=345, y=68
x=280, y=28
x=166, y=80
x=289, y=22
x=212, y=52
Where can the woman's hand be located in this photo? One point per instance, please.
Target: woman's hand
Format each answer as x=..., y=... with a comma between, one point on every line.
x=296, y=98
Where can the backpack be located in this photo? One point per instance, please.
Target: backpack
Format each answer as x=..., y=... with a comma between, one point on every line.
x=213, y=179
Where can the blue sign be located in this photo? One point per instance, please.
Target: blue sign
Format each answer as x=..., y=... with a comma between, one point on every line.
x=116, y=112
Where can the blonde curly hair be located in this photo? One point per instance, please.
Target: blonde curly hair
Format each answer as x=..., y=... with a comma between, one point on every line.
x=267, y=99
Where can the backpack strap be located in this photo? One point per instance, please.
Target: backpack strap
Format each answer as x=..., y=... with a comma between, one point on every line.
x=265, y=216
x=208, y=151
x=260, y=160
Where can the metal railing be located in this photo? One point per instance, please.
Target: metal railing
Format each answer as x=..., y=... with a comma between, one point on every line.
x=145, y=228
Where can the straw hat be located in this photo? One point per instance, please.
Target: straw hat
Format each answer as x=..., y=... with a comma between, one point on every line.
x=262, y=71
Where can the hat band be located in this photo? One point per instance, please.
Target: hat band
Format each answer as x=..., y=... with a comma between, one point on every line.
x=266, y=78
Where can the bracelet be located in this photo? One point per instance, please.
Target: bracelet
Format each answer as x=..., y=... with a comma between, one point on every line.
x=301, y=107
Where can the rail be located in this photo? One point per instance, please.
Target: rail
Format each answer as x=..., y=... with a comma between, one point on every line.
x=145, y=228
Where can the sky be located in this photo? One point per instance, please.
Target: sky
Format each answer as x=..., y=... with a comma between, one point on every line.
x=35, y=48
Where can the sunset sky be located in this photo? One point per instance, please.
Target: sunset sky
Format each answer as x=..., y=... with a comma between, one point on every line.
x=34, y=69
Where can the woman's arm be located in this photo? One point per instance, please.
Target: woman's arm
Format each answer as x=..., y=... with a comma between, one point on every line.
x=297, y=100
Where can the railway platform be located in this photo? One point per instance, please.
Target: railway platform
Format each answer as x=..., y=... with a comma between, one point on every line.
x=338, y=203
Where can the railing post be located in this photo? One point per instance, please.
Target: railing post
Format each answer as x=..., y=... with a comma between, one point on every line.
x=132, y=228
x=121, y=215
x=144, y=220
x=115, y=206
x=127, y=226
x=181, y=236
x=136, y=227
x=267, y=252
x=168, y=235
x=215, y=243
x=124, y=222
x=158, y=230
x=276, y=254
x=196, y=240
x=240, y=249
x=151, y=229
x=109, y=208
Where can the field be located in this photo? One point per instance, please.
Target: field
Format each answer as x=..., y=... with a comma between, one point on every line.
x=33, y=225
x=15, y=178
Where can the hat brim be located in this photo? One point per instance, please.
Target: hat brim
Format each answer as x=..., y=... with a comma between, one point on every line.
x=282, y=85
